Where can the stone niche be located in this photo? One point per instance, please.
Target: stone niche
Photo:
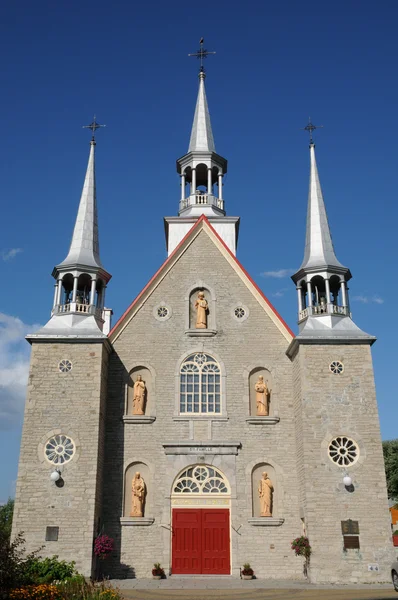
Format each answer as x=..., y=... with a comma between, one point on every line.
x=128, y=478
x=149, y=393
x=253, y=377
x=211, y=317
x=257, y=473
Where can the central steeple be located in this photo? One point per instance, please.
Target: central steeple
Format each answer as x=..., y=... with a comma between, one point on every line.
x=202, y=171
x=201, y=134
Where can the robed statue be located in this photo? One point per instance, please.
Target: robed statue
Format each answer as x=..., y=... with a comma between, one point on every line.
x=261, y=397
x=139, y=397
x=265, y=490
x=138, y=489
x=202, y=308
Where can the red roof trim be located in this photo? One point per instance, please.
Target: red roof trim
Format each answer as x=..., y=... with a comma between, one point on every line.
x=249, y=278
x=203, y=218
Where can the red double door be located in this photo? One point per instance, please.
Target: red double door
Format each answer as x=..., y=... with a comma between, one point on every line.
x=201, y=541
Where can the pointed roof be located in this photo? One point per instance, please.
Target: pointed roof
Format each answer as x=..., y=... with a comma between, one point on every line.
x=84, y=247
x=202, y=224
x=319, y=251
x=201, y=134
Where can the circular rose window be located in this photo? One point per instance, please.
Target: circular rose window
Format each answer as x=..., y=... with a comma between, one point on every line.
x=65, y=365
x=343, y=451
x=59, y=449
x=336, y=367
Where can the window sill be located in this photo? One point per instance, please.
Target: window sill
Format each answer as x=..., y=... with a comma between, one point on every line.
x=140, y=521
x=138, y=419
x=200, y=332
x=263, y=420
x=196, y=417
x=266, y=521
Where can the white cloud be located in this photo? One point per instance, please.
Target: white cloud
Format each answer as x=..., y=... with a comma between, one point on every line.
x=278, y=274
x=368, y=299
x=14, y=368
x=279, y=293
x=9, y=254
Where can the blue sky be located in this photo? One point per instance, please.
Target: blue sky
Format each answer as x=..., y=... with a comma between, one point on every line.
x=276, y=64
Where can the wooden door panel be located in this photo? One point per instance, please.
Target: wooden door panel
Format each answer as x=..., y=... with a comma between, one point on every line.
x=216, y=541
x=186, y=541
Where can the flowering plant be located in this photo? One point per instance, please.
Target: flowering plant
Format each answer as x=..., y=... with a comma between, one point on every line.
x=301, y=547
x=157, y=570
x=103, y=546
x=43, y=591
x=247, y=570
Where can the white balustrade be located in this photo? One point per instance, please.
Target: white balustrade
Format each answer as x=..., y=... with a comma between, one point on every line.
x=323, y=309
x=303, y=314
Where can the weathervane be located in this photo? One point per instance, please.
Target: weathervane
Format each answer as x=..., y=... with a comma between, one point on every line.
x=93, y=126
x=310, y=128
x=201, y=53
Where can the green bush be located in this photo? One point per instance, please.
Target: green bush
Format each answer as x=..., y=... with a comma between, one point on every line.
x=47, y=570
x=13, y=563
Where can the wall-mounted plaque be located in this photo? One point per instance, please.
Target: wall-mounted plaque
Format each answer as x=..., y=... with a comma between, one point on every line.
x=350, y=527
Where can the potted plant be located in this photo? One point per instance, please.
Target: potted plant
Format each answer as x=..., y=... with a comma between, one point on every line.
x=301, y=547
x=395, y=537
x=247, y=571
x=157, y=571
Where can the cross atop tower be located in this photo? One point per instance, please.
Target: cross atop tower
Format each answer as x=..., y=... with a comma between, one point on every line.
x=93, y=126
x=201, y=54
x=310, y=128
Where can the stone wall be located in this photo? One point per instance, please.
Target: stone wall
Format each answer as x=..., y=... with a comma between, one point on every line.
x=73, y=404
x=240, y=347
x=333, y=405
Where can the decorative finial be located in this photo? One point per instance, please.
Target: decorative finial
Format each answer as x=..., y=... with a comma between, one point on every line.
x=310, y=128
x=93, y=126
x=201, y=54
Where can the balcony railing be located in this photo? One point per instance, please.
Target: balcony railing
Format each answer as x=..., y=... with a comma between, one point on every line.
x=77, y=307
x=324, y=309
x=202, y=199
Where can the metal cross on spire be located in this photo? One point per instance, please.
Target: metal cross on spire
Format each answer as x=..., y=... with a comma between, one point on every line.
x=310, y=128
x=201, y=54
x=93, y=126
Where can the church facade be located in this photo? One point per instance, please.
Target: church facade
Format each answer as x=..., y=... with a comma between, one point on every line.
x=200, y=432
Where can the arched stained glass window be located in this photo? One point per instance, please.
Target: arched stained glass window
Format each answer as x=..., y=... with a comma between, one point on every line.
x=200, y=385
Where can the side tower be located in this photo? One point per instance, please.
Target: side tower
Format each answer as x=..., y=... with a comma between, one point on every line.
x=342, y=486
x=202, y=171
x=59, y=486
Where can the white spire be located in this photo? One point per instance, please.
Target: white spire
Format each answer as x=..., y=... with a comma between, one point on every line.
x=319, y=251
x=201, y=135
x=84, y=247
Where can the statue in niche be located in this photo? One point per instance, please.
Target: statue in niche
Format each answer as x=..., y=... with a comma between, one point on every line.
x=202, y=309
x=265, y=490
x=261, y=397
x=139, y=397
x=138, y=490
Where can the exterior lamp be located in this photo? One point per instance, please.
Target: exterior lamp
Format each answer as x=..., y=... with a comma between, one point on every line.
x=55, y=476
x=347, y=480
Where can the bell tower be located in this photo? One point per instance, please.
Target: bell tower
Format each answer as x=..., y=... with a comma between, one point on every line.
x=201, y=172
x=335, y=410
x=61, y=458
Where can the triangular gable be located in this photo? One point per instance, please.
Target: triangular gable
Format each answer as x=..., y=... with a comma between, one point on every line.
x=202, y=224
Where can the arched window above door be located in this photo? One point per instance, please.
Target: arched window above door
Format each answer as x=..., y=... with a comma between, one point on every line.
x=200, y=385
x=201, y=479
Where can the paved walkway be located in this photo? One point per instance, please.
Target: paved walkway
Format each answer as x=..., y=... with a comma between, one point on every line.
x=228, y=588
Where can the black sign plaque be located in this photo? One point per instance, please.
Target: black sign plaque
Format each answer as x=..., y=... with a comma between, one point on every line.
x=350, y=527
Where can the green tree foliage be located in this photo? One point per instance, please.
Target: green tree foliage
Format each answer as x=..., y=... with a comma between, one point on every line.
x=390, y=451
x=6, y=512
